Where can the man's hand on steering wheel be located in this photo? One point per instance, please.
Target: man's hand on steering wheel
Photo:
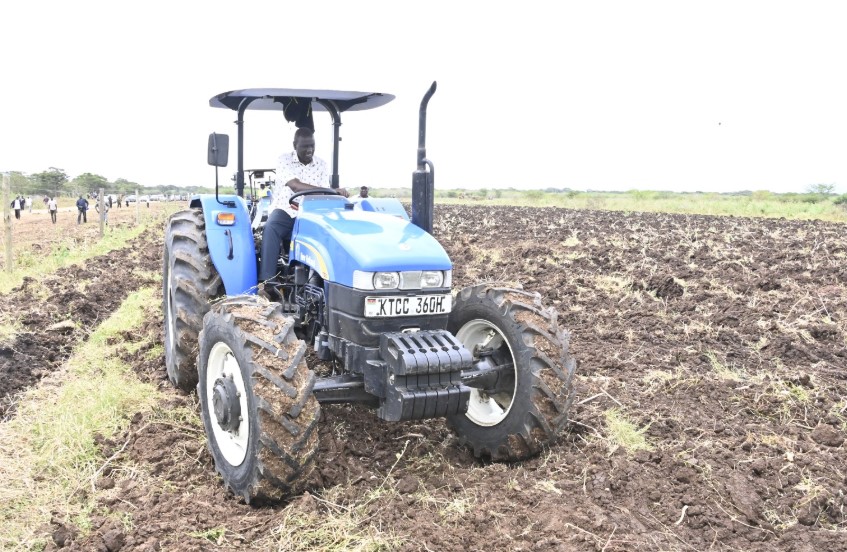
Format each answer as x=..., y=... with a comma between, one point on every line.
x=316, y=191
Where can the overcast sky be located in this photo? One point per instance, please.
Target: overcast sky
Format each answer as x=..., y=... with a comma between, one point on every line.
x=711, y=96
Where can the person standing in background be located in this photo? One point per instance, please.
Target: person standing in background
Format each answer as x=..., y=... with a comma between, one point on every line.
x=82, y=208
x=16, y=205
x=52, y=207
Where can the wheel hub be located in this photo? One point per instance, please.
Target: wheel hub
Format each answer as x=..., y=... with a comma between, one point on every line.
x=226, y=404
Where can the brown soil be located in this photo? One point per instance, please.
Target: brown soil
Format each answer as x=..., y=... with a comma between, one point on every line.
x=34, y=232
x=724, y=340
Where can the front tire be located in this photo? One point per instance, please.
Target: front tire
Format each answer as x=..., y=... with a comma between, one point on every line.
x=256, y=399
x=190, y=283
x=529, y=411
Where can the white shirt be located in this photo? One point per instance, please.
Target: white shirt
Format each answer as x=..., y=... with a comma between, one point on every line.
x=51, y=205
x=17, y=205
x=288, y=168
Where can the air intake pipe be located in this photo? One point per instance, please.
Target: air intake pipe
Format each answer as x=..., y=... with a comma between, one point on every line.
x=423, y=180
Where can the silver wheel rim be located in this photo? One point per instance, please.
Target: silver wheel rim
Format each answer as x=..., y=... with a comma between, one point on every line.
x=232, y=444
x=487, y=410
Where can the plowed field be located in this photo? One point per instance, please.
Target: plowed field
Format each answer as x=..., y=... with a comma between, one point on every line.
x=711, y=409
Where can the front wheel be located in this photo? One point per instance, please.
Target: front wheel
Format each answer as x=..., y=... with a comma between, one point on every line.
x=528, y=408
x=256, y=399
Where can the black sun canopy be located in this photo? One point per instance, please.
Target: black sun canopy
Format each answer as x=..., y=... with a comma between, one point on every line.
x=298, y=105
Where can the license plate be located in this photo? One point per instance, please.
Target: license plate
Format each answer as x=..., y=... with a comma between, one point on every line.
x=407, y=306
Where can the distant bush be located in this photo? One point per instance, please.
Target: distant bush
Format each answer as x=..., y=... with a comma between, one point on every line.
x=841, y=200
x=812, y=198
x=761, y=195
x=534, y=194
x=821, y=189
x=640, y=195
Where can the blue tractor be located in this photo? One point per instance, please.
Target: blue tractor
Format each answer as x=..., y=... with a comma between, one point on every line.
x=368, y=289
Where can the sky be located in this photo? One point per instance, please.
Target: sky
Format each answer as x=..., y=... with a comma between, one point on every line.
x=713, y=96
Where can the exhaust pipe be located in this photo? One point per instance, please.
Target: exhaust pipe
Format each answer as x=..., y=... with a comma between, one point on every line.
x=423, y=181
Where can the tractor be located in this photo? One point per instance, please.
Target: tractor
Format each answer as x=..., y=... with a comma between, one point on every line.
x=367, y=287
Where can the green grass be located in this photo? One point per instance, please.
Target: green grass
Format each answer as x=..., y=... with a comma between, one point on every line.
x=48, y=454
x=623, y=433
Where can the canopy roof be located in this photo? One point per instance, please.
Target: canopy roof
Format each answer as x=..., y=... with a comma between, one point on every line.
x=280, y=98
x=298, y=105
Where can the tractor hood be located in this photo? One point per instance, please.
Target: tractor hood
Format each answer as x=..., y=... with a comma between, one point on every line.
x=335, y=240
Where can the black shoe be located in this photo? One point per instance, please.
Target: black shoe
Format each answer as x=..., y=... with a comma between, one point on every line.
x=269, y=291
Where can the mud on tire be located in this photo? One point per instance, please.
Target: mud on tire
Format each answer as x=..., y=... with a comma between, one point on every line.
x=532, y=411
x=190, y=283
x=256, y=399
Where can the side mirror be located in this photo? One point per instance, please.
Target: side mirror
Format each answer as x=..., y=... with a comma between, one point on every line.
x=218, y=149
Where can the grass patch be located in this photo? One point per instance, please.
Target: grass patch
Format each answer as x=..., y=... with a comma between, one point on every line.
x=723, y=371
x=623, y=433
x=9, y=327
x=48, y=448
x=343, y=528
x=215, y=535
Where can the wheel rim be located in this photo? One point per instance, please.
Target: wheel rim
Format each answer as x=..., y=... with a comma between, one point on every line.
x=488, y=410
x=223, y=365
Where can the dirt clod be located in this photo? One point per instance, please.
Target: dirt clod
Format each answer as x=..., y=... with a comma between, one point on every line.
x=114, y=540
x=827, y=435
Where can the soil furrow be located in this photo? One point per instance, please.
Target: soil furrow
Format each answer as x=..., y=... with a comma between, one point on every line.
x=55, y=313
x=721, y=341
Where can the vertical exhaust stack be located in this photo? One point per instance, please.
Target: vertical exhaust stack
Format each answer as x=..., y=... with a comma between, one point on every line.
x=423, y=181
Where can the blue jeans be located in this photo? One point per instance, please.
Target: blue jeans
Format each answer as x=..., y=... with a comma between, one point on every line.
x=277, y=232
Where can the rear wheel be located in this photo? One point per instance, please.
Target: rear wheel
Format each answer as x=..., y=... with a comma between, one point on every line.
x=256, y=399
x=528, y=408
x=190, y=283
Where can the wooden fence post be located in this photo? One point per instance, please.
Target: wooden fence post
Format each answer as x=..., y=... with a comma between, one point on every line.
x=137, y=202
x=101, y=211
x=7, y=221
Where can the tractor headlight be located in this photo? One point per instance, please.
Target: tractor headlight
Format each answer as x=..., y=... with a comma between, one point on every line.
x=386, y=280
x=432, y=279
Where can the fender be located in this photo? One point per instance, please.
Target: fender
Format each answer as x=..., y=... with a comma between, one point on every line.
x=232, y=248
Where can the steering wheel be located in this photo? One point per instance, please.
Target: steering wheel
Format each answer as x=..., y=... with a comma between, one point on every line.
x=321, y=191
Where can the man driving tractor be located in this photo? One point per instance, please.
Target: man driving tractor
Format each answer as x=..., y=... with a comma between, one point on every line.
x=297, y=171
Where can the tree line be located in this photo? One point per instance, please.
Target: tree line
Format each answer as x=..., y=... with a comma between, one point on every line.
x=56, y=182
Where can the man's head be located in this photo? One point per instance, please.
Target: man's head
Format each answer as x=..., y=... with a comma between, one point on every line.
x=304, y=144
x=363, y=191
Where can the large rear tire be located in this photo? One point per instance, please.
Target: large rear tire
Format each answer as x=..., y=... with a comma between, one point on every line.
x=530, y=409
x=190, y=283
x=256, y=399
